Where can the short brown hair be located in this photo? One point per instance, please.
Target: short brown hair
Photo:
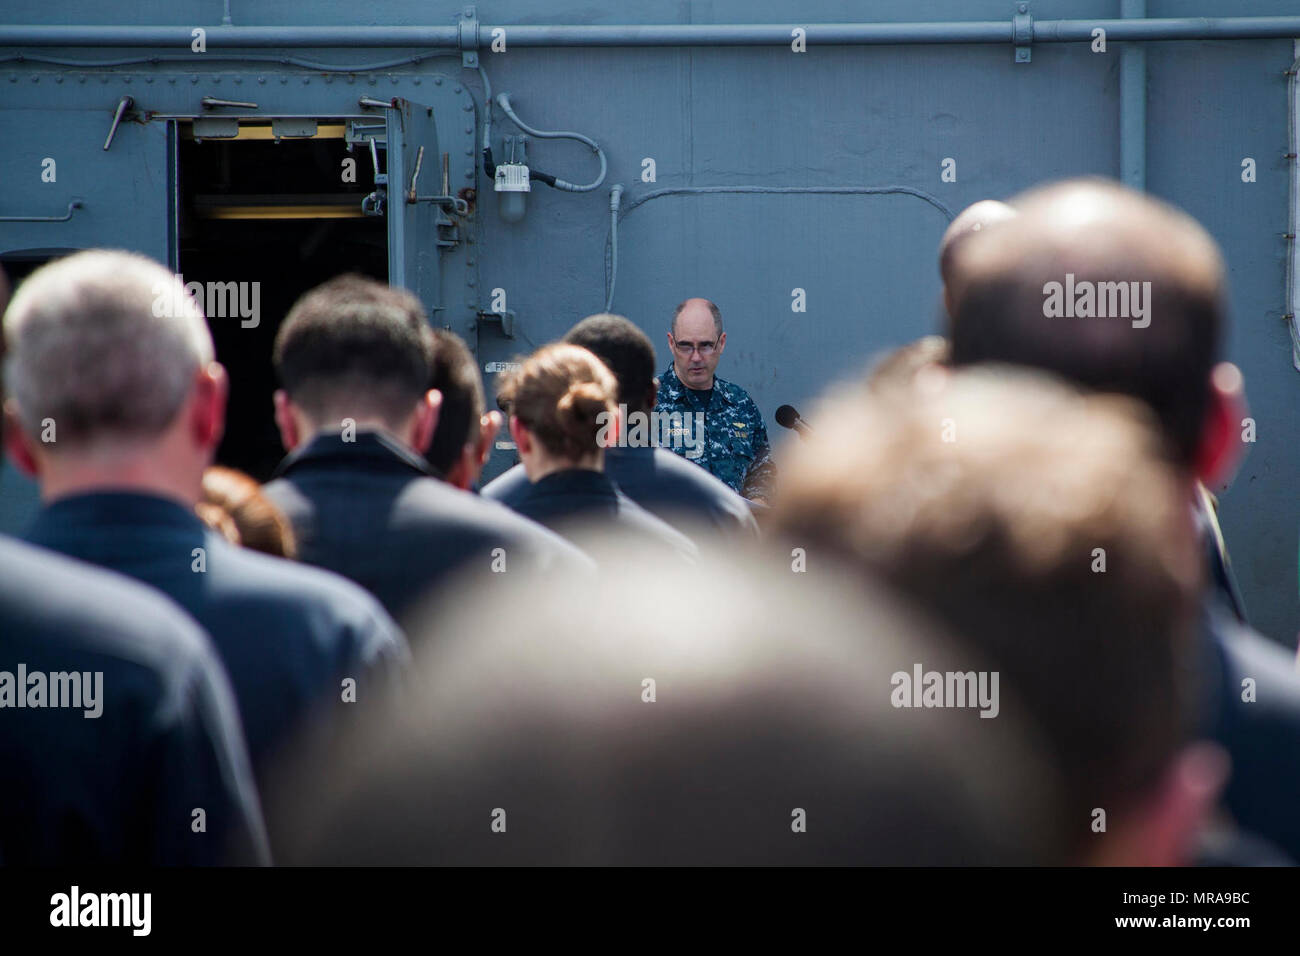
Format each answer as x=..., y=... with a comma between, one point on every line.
x=989, y=497
x=456, y=376
x=353, y=346
x=559, y=394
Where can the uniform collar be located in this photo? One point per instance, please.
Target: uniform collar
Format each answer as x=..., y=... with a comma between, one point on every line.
x=117, y=508
x=575, y=480
x=370, y=449
x=721, y=387
x=628, y=453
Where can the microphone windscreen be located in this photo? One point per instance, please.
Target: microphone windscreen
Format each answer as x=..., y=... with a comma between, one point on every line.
x=786, y=416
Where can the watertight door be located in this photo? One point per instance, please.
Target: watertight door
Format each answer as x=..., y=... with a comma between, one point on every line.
x=65, y=191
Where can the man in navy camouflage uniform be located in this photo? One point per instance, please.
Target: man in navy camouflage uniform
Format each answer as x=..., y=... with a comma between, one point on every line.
x=735, y=448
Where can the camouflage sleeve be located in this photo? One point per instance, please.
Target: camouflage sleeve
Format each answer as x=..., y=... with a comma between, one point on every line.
x=760, y=479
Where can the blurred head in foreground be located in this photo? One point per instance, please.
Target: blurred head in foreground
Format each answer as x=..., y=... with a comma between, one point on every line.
x=1114, y=291
x=1047, y=529
x=573, y=728
x=926, y=356
x=971, y=221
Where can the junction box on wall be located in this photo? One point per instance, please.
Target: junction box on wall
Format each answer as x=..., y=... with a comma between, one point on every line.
x=511, y=181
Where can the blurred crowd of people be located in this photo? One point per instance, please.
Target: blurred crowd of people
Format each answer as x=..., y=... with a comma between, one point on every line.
x=984, y=614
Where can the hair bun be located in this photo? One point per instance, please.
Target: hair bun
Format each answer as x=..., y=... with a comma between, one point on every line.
x=563, y=394
x=582, y=402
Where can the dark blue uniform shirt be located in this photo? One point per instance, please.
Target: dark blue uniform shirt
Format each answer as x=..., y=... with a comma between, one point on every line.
x=1262, y=735
x=119, y=788
x=370, y=510
x=669, y=487
x=586, y=503
x=289, y=635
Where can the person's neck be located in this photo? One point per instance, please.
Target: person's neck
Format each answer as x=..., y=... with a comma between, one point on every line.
x=143, y=476
x=702, y=388
x=359, y=425
x=540, y=467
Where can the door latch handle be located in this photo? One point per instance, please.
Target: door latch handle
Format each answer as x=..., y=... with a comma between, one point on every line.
x=124, y=104
x=211, y=102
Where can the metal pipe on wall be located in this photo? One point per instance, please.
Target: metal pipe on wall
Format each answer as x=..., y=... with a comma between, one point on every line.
x=1292, y=314
x=852, y=34
x=652, y=35
x=1133, y=104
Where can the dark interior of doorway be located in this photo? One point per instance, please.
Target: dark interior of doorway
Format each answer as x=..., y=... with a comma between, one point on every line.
x=280, y=214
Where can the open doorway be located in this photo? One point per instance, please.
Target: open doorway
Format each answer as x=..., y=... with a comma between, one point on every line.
x=284, y=214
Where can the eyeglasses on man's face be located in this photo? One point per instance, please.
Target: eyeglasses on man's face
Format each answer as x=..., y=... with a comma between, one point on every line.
x=686, y=348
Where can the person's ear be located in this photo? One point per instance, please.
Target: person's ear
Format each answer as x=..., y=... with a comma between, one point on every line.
x=652, y=394
x=722, y=342
x=425, y=421
x=208, y=411
x=1164, y=828
x=519, y=433
x=1220, y=449
x=475, y=453
x=458, y=475
x=286, y=420
x=489, y=425
x=17, y=444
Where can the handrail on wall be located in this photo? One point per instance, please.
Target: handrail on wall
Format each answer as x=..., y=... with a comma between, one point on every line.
x=74, y=205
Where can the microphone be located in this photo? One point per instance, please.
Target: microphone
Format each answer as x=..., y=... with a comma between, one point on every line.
x=787, y=417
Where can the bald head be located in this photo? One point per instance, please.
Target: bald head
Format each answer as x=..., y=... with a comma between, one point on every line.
x=698, y=310
x=696, y=341
x=969, y=222
x=1104, y=286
